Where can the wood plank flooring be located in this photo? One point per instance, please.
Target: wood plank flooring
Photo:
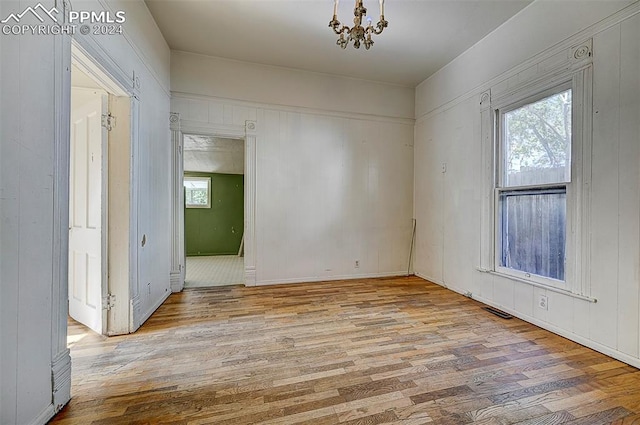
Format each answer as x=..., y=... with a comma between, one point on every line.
x=371, y=351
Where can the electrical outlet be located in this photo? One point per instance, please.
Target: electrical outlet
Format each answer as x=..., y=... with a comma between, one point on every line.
x=543, y=302
x=357, y=265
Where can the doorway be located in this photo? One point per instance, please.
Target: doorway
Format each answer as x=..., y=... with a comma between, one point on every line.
x=99, y=193
x=214, y=194
x=87, y=195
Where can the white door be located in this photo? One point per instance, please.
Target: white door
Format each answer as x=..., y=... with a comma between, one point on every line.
x=87, y=217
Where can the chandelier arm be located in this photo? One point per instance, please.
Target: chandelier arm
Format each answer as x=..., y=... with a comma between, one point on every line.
x=381, y=25
x=334, y=24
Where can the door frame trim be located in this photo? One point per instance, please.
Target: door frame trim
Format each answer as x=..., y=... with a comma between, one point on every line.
x=88, y=58
x=248, y=132
x=101, y=61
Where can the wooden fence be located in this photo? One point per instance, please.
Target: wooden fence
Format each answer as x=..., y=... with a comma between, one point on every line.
x=534, y=232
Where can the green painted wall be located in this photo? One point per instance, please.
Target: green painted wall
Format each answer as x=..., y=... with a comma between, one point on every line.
x=217, y=230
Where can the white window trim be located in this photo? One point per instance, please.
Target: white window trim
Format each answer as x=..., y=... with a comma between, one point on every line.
x=509, y=104
x=577, y=282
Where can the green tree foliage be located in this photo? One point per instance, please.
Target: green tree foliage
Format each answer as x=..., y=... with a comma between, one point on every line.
x=538, y=135
x=198, y=196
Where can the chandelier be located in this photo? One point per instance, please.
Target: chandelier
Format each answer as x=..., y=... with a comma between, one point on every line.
x=357, y=33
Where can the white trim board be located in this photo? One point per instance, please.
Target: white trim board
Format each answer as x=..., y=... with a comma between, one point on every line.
x=540, y=285
x=81, y=59
x=249, y=134
x=288, y=108
x=153, y=308
x=330, y=278
x=60, y=374
x=99, y=64
x=44, y=416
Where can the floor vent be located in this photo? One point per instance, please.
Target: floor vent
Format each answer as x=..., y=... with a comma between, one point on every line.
x=498, y=312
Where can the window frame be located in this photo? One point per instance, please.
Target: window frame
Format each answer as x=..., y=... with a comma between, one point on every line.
x=197, y=179
x=570, y=63
x=510, y=103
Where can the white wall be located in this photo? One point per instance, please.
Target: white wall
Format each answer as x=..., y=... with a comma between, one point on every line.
x=26, y=203
x=29, y=78
x=142, y=52
x=332, y=186
x=448, y=205
x=235, y=80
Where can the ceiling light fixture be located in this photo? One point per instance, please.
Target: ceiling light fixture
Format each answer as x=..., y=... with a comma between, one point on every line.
x=358, y=33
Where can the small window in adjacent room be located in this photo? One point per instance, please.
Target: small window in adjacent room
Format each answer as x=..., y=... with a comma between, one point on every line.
x=197, y=192
x=534, y=172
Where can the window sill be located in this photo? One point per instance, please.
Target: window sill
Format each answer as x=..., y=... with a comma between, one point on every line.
x=539, y=285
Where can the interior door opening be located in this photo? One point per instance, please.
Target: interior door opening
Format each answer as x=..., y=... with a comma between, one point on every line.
x=99, y=206
x=214, y=210
x=87, y=194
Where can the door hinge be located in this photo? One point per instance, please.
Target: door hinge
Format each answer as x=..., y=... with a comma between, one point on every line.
x=109, y=302
x=108, y=121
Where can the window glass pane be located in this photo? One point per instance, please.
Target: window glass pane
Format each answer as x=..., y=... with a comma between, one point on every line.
x=196, y=192
x=537, y=142
x=533, y=236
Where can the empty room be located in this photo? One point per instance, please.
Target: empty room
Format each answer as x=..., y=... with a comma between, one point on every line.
x=320, y=212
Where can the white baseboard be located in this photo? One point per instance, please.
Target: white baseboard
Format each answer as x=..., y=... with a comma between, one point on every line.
x=330, y=278
x=44, y=417
x=153, y=308
x=250, y=276
x=430, y=279
x=135, y=313
x=611, y=352
x=177, y=284
x=61, y=379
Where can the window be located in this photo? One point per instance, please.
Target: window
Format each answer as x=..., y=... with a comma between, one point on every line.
x=197, y=192
x=534, y=173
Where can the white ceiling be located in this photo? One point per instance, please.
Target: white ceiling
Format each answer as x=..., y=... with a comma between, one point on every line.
x=422, y=37
x=213, y=154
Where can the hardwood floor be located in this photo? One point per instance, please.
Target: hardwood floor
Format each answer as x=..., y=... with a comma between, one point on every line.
x=371, y=351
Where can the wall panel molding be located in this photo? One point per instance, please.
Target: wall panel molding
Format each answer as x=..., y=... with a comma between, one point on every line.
x=285, y=108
